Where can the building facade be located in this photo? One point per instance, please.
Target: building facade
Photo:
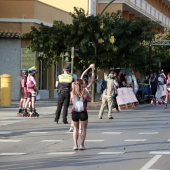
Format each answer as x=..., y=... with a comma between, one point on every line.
x=17, y=17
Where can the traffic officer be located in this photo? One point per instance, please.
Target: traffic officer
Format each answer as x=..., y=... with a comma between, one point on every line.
x=63, y=84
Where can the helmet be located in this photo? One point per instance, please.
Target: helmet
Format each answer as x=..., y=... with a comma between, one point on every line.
x=33, y=68
x=24, y=72
x=30, y=71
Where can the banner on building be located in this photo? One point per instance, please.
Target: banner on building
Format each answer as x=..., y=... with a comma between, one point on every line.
x=27, y=58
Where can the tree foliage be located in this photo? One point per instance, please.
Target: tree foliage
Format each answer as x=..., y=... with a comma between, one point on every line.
x=108, y=40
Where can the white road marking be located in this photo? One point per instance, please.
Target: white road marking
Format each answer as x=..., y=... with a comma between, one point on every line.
x=151, y=162
x=61, y=153
x=7, y=140
x=2, y=124
x=3, y=133
x=69, y=132
x=168, y=140
x=6, y=154
x=111, y=133
x=52, y=140
x=160, y=152
x=11, y=118
x=38, y=132
x=94, y=140
x=135, y=140
x=148, y=133
x=9, y=121
x=110, y=153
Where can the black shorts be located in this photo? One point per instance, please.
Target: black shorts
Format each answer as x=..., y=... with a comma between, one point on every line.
x=22, y=93
x=76, y=116
x=33, y=94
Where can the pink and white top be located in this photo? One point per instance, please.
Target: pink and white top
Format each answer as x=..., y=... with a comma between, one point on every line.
x=31, y=84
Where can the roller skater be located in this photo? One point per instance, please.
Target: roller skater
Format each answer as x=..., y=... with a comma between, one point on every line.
x=32, y=91
x=23, y=92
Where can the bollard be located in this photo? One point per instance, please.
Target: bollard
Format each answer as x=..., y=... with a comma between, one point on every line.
x=6, y=81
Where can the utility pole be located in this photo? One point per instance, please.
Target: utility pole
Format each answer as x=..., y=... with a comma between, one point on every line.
x=107, y=6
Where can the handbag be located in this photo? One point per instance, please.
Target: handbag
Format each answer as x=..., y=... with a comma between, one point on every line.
x=38, y=96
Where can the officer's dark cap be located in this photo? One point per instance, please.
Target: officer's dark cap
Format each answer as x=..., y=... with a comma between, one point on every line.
x=66, y=67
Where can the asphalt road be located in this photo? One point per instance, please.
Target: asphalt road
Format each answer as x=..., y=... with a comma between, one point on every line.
x=136, y=139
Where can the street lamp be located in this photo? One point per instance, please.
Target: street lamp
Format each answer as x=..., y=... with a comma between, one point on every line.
x=107, y=6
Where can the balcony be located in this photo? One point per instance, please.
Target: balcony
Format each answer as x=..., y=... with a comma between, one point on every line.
x=139, y=7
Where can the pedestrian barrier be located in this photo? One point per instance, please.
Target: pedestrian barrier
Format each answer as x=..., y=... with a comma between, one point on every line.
x=126, y=98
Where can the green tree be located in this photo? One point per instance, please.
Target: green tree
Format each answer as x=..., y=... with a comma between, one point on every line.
x=108, y=40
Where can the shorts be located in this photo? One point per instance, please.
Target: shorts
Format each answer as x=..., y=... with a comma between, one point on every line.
x=22, y=93
x=32, y=94
x=82, y=116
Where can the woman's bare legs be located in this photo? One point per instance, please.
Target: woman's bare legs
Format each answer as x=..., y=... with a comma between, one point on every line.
x=83, y=131
x=33, y=103
x=75, y=132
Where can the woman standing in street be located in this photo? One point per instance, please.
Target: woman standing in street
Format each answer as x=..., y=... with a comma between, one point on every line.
x=79, y=117
x=87, y=85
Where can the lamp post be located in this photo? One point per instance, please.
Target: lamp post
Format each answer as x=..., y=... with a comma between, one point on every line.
x=107, y=6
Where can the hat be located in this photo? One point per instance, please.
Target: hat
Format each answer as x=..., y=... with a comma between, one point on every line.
x=66, y=67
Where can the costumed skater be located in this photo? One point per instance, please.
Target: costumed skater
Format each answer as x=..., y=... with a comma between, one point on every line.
x=23, y=92
x=32, y=92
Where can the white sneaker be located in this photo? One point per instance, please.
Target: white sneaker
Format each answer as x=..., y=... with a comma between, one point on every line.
x=75, y=147
x=71, y=129
x=82, y=147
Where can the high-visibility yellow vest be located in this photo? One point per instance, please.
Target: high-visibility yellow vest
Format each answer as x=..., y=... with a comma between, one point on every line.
x=65, y=78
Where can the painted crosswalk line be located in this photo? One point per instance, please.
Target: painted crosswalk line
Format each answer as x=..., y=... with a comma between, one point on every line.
x=52, y=140
x=7, y=140
x=148, y=133
x=61, y=153
x=110, y=153
x=5, y=133
x=8, y=154
x=160, y=152
x=9, y=121
x=151, y=162
x=111, y=133
x=38, y=132
x=94, y=140
x=135, y=140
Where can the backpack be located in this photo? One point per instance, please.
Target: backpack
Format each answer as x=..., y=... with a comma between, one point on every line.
x=78, y=105
x=103, y=85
